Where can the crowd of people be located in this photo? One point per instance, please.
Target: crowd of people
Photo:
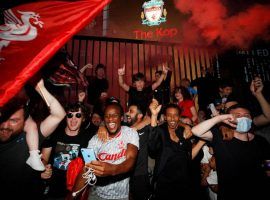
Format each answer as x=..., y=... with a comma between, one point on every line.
x=199, y=135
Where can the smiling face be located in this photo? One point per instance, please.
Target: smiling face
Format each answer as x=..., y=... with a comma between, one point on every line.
x=112, y=118
x=74, y=121
x=178, y=95
x=139, y=85
x=132, y=115
x=172, y=117
x=100, y=73
x=226, y=91
x=12, y=126
x=96, y=119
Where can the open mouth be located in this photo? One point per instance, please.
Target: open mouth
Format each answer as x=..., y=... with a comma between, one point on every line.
x=128, y=118
x=172, y=123
x=4, y=133
x=111, y=125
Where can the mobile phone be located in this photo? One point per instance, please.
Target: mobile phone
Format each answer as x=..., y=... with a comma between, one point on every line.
x=213, y=109
x=88, y=155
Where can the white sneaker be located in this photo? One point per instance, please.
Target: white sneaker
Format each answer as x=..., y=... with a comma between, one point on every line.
x=34, y=161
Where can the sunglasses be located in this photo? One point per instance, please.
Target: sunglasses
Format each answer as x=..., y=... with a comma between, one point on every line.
x=77, y=115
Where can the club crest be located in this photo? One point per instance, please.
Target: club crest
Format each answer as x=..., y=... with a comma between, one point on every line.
x=19, y=29
x=153, y=13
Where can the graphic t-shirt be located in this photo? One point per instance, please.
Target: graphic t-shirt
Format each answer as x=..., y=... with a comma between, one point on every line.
x=114, y=152
x=64, y=149
x=64, y=153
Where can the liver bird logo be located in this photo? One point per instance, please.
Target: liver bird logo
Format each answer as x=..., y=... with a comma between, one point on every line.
x=16, y=29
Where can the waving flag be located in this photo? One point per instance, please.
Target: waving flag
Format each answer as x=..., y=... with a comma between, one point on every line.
x=33, y=33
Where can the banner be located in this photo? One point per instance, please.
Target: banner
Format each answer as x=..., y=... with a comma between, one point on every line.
x=33, y=33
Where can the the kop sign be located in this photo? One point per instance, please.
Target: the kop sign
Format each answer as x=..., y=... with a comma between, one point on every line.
x=154, y=14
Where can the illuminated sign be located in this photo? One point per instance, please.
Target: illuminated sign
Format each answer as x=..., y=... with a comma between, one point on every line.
x=157, y=33
x=153, y=13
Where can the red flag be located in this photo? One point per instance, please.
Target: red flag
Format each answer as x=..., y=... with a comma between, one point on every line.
x=33, y=33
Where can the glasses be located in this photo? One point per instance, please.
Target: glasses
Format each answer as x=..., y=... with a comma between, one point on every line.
x=77, y=115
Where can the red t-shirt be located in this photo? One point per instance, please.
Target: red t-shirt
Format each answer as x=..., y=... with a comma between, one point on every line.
x=185, y=108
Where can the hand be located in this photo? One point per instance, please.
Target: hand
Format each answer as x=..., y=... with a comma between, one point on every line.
x=101, y=169
x=47, y=173
x=88, y=66
x=103, y=95
x=220, y=107
x=81, y=96
x=121, y=71
x=229, y=119
x=215, y=112
x=205, y=169
x=256, y=86
x=102, y=133
x=154, y=107
x=165, y=69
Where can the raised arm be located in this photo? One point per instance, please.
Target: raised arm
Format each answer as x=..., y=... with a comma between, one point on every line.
x=57, y=112
x=161, y=78
x=121, y=73
x=155, y=109
x=202, y=130
x=256, y=88
x=154, y=141
x=87, y=66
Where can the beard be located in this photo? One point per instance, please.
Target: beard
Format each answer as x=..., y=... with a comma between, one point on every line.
x=132, y=121
x=12, y=135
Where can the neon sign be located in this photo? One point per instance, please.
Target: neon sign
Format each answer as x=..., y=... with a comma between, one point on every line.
x=153, y=13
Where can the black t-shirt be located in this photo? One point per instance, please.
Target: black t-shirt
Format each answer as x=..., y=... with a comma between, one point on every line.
x=141, y=167
x=163, y=92
x=17, y=179
x=140, y=98
x=239, y=167
x=64, y=149
x=95, y=88
x=206, y=87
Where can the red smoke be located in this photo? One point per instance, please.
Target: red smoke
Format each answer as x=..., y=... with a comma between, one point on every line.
x=209, y=24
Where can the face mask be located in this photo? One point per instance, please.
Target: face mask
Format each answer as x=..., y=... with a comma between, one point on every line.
x=243, y=124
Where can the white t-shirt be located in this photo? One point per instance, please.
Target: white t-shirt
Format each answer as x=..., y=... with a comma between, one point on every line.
x=114, y=152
